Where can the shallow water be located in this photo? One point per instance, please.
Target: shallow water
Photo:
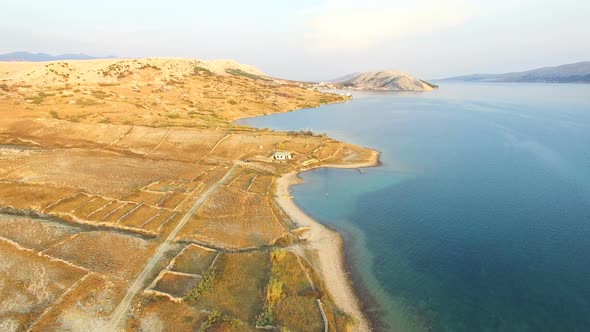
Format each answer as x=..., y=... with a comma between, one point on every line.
x=479, y=218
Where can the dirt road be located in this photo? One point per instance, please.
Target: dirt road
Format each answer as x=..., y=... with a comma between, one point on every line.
x=123, y=307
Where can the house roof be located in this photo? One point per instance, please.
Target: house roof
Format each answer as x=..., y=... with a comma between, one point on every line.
x=282, y=153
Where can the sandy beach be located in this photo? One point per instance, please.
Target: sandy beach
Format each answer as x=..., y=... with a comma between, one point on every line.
x=328, y=244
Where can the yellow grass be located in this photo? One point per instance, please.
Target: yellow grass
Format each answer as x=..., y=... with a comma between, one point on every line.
x=233, y=219
x=31, y=284
x=194, y=259
x=115, y=145
x=105, y=252
x=142, y=196
x=31, y=196
x=238, y=287
x=32, y=233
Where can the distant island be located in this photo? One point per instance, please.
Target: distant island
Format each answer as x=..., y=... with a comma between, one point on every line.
x=383, y=80
x=571, y=73
x=43, y=57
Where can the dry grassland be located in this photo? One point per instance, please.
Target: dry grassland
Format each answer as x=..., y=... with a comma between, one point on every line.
x=194, y=260
x=99, y=163
x=233, y=219
x=31, y=283
x=239, y=285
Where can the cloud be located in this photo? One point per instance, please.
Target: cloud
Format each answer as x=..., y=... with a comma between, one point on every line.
x=350, y=25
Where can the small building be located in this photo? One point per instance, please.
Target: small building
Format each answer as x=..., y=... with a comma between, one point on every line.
x=282, y=155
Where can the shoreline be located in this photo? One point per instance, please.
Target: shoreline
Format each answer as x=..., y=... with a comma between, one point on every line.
x=328, y=243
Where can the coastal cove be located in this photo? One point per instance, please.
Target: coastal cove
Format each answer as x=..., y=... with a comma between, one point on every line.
x=478, y=217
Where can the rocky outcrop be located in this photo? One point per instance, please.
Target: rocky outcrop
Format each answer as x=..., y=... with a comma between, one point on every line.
x=113, y=71
x=384, y=80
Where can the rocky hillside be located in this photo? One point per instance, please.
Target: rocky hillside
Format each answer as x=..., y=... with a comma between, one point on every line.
x=156, y=92
x=112, y=71
x=384, y=80
x=571, y=73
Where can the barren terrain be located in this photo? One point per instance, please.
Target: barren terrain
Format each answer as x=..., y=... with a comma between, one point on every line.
x=130, y=201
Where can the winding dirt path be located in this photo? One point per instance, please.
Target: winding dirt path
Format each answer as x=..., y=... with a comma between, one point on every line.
x=119, y=313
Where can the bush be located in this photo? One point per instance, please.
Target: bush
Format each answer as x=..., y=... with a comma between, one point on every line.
x=100, y=94
x=86, y=102
x=302, y=133
x=38, y=99
x=150, y=66
x=206, y=284
x=274, y=291
x=279, y=254
x=239, y=72
x=201, y=70
x=216, y=317
x=265, y=318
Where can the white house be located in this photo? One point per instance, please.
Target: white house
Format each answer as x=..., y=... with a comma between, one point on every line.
x=282, y=155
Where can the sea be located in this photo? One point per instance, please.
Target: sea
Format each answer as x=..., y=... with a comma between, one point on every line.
x=478, y=218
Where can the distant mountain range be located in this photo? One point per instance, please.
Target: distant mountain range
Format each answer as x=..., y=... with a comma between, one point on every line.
x=384, y=80
x=571, y=73
x=42, y=57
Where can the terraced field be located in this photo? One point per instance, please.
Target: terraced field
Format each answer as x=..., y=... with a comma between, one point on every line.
x=126, y=198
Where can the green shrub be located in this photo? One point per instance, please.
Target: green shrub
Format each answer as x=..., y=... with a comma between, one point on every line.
x=86, y=102
x=239, y=72
x=204, y=285
x=38, y=99
x=150, y=66
x=274, y=291
x=265, y=318
x=100, y=94
x=215, y=317
x=201, y=70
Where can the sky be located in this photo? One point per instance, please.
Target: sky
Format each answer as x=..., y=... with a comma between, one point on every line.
x=312, y=39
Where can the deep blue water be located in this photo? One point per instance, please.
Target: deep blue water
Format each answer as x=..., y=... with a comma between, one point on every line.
x=479, y=218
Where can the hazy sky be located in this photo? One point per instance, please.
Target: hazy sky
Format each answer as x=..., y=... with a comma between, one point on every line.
x=308, y=39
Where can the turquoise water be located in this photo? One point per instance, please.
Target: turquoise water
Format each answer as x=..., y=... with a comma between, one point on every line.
x=479, y=217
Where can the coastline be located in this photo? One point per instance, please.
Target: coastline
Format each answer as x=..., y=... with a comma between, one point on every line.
x=328, y=244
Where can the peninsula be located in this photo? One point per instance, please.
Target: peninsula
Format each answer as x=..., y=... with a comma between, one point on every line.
x=131, y=201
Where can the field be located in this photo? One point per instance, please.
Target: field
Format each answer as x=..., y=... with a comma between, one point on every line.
x=126, y=188
x=232, y=219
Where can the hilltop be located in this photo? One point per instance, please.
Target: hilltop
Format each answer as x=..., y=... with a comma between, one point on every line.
x=156, y=91
x=571, y=73
x=384, y=80
x=110, y=71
